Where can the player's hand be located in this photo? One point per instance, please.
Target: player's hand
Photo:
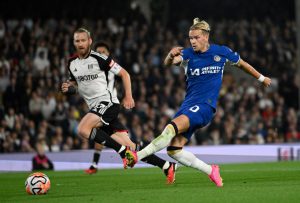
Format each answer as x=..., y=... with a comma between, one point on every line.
x=128, y=102
x=176, y=51
x=65, y=86
x=267, y=82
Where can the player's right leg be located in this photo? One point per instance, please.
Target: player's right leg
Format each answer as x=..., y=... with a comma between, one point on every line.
x=178, y=125
x=96, y=156
x=87, y=129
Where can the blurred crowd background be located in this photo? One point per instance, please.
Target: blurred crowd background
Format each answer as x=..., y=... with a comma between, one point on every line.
x=35, y=46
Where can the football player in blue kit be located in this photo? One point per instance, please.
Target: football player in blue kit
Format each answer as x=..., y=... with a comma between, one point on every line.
x=204, y=64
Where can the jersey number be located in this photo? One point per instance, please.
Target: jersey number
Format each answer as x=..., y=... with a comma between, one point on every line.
x=101, y=108
x=195, y=108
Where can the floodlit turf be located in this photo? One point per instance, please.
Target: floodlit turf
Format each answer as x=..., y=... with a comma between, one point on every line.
x=260, y=182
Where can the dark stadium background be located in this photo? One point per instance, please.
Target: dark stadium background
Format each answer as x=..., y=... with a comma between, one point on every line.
x=264, y=32
x=253, y=124
x=175, y=9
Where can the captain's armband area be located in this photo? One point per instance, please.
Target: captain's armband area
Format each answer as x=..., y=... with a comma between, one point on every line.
x=115, y=67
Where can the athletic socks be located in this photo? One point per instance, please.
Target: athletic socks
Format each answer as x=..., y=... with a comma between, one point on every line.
x=155, y=161
x=152, y=159
x=122, y=151
x=189, y=159
x=101, y=137
x=160, y=142
x=96, y=157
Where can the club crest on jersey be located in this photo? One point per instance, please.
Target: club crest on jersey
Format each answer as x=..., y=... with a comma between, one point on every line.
x=217, y=58
x=90, y=66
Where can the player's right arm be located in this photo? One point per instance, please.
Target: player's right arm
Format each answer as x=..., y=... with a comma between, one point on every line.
x=69, y=87
x=174, y=57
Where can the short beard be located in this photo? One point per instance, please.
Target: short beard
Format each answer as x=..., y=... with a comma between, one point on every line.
x=84, y=54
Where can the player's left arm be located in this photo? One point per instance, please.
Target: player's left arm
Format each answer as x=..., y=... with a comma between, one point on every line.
x=252, y=71
x=128, y=101
x=116, y=69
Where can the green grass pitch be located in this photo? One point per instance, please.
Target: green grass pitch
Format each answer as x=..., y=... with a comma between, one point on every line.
x=258, y=182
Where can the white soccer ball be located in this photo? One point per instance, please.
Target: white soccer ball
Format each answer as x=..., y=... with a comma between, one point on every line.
x=37, y=184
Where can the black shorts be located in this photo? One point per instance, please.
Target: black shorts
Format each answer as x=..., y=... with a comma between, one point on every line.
x=114, y=126
x=108, y=111
x=109, y=116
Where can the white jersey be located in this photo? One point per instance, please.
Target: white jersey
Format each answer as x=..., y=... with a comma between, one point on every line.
x=92, y=77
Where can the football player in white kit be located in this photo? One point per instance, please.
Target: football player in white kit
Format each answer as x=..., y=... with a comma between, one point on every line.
x=94, y=75
x=89, y=77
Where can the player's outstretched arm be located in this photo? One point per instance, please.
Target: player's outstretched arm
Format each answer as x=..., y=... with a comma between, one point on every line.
x=128, y=101
x=174, y=56
x=252, y=71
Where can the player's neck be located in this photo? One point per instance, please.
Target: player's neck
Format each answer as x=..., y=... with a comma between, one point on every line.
x=205, y=48
x=83, y=56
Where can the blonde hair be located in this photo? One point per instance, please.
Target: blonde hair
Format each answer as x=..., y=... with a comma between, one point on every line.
x=200, y=25
x=82, y=30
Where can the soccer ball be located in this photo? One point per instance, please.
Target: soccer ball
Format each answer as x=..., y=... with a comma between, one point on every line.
x=37, y=184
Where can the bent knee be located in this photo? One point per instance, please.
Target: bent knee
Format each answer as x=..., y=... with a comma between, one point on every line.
x=83, y=132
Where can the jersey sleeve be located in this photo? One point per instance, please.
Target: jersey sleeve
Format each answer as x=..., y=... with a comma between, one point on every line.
x=115, y=68
x=185, y=54
x=106, y=63
x=231, y=56
x=71, y=76
x=103, y=61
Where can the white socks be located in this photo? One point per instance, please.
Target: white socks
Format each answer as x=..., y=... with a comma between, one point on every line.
x=148, y=150
x=188, y=159
x=162, y=141
x=94, y=164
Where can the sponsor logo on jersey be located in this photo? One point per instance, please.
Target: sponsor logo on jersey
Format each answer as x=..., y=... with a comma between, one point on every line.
x=87, y=77
x=206, y=70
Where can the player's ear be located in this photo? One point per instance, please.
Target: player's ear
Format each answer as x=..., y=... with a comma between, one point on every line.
x=90, y=41
x=206, y=35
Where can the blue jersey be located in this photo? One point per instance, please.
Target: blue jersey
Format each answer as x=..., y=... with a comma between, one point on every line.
x=204, y=72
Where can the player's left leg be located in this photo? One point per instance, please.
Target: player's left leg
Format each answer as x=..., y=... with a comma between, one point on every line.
x=175, y=150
